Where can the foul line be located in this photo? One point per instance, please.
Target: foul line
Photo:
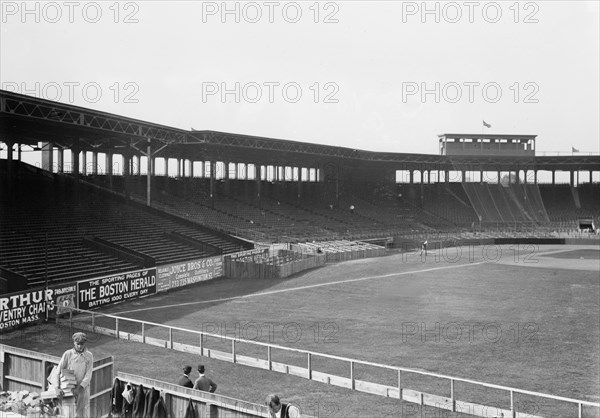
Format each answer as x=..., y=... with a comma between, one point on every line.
x=272, y=292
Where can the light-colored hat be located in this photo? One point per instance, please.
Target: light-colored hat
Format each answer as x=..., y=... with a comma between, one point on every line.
x=79, y=337
x=128, y=393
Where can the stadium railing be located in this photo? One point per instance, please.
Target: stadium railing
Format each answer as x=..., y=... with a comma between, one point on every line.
x=196, y=342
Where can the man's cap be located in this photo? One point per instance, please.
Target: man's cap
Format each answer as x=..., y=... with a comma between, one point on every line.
x=201, y=368
x=273, y=399
x=79, y=337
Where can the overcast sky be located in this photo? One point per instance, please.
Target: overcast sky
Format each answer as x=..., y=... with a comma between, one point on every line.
x=381, y=76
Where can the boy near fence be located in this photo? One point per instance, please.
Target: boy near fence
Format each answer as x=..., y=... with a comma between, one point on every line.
x=278, y=409
x=80, y=362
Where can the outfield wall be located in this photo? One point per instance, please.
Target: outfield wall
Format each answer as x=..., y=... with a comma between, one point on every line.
x=29, y=306
x=272, y=268
x=409, y=245
x=32, y=305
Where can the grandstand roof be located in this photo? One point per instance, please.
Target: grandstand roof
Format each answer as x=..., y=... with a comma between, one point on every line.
x=28, y=120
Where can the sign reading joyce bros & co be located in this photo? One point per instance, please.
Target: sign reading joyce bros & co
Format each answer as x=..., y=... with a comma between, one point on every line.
x=112, y=289
x=182, y=274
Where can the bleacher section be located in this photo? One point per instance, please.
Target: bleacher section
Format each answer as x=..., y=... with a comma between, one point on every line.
x=343, y=249
x=82, y=232
x=322, y=213
x=449, y=201
x=505, y=204
x=228, y=213
x=279, y=216
x=589, y=195
x=566, y=204
x=559, y=202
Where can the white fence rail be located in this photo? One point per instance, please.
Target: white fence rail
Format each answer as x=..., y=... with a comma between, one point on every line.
x=102, y=324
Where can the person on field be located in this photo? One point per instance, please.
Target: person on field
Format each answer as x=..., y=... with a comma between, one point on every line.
x=203, y=382
x=278, y=409
x=185, y=379
x=81, y=361
x=424, y=248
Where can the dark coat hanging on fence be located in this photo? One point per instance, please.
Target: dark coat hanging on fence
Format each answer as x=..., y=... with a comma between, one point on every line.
x=190, y=412
x=139, y=403
x=116, y=398
x=160, y=410
x=151, y=398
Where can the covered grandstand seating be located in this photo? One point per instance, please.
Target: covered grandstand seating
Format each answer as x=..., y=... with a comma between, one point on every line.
x=566, y=204
x=291, y=212
x=449, y=201
x=79, y=231
x=317, y=211
x=512, y=203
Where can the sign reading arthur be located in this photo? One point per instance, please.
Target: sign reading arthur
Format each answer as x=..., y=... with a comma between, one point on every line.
x=25, y=307
x=112, y=289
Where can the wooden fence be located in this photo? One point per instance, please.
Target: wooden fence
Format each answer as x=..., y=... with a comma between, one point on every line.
x=90, y=321
x=206, y=404
x=272, y=269
x=344, y=250
x=22, y=369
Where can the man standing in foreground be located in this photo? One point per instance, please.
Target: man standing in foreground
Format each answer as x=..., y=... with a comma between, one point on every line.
x=81, y=362
x=204, y=383
x=185, y=379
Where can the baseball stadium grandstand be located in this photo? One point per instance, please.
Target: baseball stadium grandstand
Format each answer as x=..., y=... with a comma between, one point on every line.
x=115, y=199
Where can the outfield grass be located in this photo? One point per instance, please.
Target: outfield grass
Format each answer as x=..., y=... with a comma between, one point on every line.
x=517, y=321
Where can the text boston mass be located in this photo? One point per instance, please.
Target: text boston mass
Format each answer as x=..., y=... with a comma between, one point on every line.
x=26, y=307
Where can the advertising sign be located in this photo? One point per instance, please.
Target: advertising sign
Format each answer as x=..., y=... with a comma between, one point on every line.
x=256, y=255
x=117, y=288
x=182, y=274
x=24, y=307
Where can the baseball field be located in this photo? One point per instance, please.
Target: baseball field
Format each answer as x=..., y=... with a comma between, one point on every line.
x=526, y=317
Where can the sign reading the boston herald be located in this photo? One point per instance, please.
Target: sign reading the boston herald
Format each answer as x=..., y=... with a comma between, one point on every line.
x=112, y=289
